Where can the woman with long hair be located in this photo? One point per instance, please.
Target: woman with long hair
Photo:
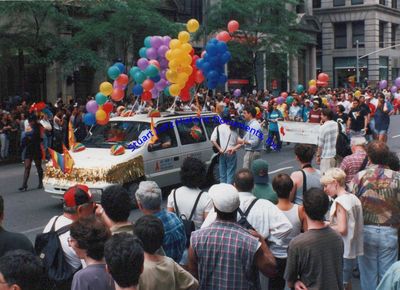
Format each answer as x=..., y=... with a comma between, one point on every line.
x=33, y=152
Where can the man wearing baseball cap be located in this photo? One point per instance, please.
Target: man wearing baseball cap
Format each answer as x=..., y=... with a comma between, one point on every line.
x=262, y=187
x=227, y=248
x=78, y=203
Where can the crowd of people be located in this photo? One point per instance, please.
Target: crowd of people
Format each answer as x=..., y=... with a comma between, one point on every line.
x=313, y=229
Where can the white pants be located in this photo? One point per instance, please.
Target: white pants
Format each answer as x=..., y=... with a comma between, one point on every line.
x=327, y=163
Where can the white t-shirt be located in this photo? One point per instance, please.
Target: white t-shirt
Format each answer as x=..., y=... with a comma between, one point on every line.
x=353, y=240
x=185, y=198
x=69, y=253
x=224, y=132
x=347, y=106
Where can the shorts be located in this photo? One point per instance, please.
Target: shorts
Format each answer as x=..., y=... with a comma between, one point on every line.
x=381, y=132
x=348, y=269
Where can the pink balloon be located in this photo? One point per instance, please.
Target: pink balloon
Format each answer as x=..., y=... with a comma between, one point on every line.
x=142, y=63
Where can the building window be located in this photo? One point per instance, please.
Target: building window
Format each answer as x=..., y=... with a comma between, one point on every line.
x=394, y=4
x=358, y=33
x=383, y=67
x=394, y=32
x=316, y=3
x=319, y=40
x=356, y=2
x=381, y=34
x=340, y=35
x=300, y=8
x=339, y=2
x=382, y=2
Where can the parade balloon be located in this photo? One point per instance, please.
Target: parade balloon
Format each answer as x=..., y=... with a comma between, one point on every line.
x=113, y=72
x=289, y=100
x=134, y=70
x=174, y=43
x=312, y=83
x=162, y=50
x=101, y=115
x=323, y=77
x=100, y=99
x=92, y=106
x=106, y=88
x=120, y=66
x=142, y=63
x=148, y=85
x=89, y=119
x=123, y=79
x=224, y=36
x=174, y=90
x=155, y=63
x=117, y=95
x=357, y=94
x=397, y=82
x=142, y=52
x=312, y=90
x=139, y=77
x=166, y=92
x=156, y=78
x=233, y=26
x=299, y=89
x=237, y=92
x=192, y=25
x=383, y=84
x=104, y=122
x=166, y=40
x=108, y=107
x=184, y=36
x=151, y=53
x=137, y=90
x=146, y=96
x=147, y=41
x=156, y=41
x=199, y=78
x=393, y=89
x=151, y=71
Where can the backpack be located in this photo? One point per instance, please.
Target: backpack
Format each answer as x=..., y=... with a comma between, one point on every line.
x=187, y=222
x=243, y=216
x=48, y=248
x=343, y=147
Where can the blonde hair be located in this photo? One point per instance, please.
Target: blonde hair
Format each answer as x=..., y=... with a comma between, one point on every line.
x=334, y=174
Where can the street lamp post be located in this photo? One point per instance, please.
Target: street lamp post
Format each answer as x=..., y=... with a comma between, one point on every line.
x=357, y=65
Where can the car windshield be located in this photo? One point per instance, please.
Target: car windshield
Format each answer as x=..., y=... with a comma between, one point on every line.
x=115, y=132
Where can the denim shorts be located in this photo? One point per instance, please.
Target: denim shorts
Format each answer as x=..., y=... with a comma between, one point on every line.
x=348, y=269
x=381, y=132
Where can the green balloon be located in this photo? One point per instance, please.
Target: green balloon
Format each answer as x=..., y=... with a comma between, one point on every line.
x=100, y=99
x=113, y=72
x=166, y=91
x=139, y=77
x=134, y=70
x=289, y=100
x=151, y=71
x=299, y=89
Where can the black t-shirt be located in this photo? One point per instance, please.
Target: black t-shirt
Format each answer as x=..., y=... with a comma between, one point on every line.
x=13, y=241
x=343, y=117
x=357, y=117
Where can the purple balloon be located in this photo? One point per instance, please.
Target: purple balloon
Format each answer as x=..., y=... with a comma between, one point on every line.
x=161, y=84
x=142, y=63
x=393, y=89
x=163, y=63
x=397, y=82
x=156, y=41
x=151, y=53
x=92, y=106
x=118, y=86
x=154, y=93
x=162, y=74
x=383, y=84
x=166, y=40
x=237, y=92
x=162, y=50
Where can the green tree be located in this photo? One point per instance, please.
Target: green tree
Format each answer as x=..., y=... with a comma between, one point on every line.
x=266, y=26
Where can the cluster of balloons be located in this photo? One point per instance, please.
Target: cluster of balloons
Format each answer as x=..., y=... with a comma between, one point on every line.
x=322, y=81
x=383, y=84
x=225, y=36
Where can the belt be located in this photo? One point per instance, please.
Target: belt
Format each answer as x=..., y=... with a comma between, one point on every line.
x=382, y=225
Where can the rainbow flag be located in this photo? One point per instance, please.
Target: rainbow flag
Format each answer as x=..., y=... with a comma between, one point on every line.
x=68, y=161
x=154, y=138
x=71, y=135
x=57, y=159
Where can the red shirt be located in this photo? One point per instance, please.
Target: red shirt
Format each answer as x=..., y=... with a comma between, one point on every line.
x=315, y=116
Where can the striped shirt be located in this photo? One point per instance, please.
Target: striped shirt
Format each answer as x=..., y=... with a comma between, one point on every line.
x=351, y=164
x=327, y=139
x=225, y=255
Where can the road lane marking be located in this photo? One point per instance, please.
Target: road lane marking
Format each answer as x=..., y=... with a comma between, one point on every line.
x=395, y=136
x=280, y=169
x=33, y=230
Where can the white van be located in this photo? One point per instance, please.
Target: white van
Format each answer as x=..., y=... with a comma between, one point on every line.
x=179, y=137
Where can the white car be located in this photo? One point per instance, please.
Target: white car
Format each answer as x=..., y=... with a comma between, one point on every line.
x=179, y=135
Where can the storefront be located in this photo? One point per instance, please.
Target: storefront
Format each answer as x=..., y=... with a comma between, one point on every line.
x=345, y=75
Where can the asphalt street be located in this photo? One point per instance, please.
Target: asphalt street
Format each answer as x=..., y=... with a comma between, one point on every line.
x=28, y=212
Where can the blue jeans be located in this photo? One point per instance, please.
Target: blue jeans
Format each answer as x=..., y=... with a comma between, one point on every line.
x=227, y=168
x=380, y=252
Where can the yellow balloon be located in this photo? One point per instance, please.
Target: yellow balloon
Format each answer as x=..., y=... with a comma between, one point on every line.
x=174, y=90
x=181, y=85
x=106, y=88
x=174, y=43
x=168, y=54
x=182, y=78
x=325, y=101
x=183, y=37
x=171, y=76
x=192, y=25
x=101, y=115
x=187, y=70
x=312, y=83
x=186, y=60
x=357, y=94
x=176, y=53
x=186, y=47
x=173, y=64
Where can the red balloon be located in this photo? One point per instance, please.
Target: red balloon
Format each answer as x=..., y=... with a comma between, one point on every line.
x=199, y=78
x=122, y=79
x=146, y=96
x=191, y=52
x=323, y=77
x=312, y=90
x=148, y=85
x=185, y=95
x=117, y=95
x=194, y=58
x=284, y=94
x=233, y=25
x=322, y=84
x=155, y=63
x=224, y=36
x=108, y=107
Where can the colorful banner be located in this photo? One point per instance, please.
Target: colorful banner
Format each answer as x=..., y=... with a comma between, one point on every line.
x=299, y=132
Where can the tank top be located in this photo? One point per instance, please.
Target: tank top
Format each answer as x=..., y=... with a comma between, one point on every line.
x=293, y=216
x=312, y=180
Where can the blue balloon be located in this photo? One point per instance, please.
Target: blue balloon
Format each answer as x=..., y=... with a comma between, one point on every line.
x=212, y=75
x=206, y=67
x=206, y=57
x=211, y=84
x=120, y=66
x=222, y=47
x=142, y=52
x=137, y=90
x=156, y=79
x=222, y=79
x=214, y=60
x=213, y=40
x=226, y=57
x=200, y=63
x=89, y=119
x=211, y=49
x=147, y=41
x=134, y=70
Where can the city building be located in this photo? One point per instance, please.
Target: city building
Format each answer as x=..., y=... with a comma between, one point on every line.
x=367, y=28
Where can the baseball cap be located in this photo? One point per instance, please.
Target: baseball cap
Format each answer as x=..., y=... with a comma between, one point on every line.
x=77, y=195
x=259, y=168
x=225, y=197
x=307, y=101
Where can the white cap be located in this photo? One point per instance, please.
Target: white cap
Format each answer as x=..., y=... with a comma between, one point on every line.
x=225, y=197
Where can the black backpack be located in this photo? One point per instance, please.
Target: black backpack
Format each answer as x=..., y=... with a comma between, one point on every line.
x=48, y=248
x=343, y=147
x=243, y=216
x=187, y=222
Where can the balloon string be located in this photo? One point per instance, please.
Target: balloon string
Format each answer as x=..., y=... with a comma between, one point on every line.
x=195, y=94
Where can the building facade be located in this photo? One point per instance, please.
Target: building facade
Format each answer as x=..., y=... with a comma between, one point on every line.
x=367, y=28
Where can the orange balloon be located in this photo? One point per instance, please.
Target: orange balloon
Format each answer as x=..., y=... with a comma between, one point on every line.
x=122, y=79
x=233, y=25
x=323, y=77
x=105, y=121
x=148, y=85
x=312, y=90
x=117, y=95
x=224, y=36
